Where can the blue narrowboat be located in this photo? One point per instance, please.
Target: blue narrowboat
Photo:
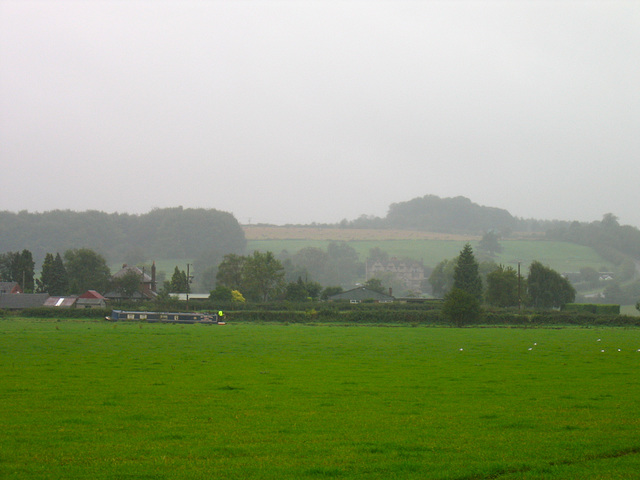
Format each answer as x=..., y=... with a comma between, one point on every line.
x=162, y=317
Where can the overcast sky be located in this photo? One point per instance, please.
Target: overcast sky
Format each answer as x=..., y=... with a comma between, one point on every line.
x=314, y=111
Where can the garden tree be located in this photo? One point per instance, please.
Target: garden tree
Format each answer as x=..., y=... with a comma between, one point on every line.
x=237, y=297
x=86, y=270
x=128, y=284
x=466, y=275
x=441, y=278
x=461, y=307
x=310, y=262
x=490, y=244
x=374, y=284
x=18, y=267
x=221, y=294
x=230, y=271
x=179, y=281
x=547, y=288
x=301, y=290
x=53, y=276
x=502, y=287
x=46, y=274
x=613, y=293
x=329, y=291
x=262, y=276
x=389, y=280
x=343, y=267
x=206, y=280
x=60, y=283
x=296, y=291
x=313, y=289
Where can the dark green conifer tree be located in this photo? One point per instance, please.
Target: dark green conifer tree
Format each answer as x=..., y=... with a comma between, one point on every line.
x=466, y=275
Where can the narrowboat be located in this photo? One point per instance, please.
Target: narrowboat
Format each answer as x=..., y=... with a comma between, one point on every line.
x=163, y=317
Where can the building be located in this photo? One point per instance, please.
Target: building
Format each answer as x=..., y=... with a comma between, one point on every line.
x=147, y=290
x=91, y=299
x=10, y=288
x=22, y=300
x=361, y=294
x=408, y=272
x=60, y=302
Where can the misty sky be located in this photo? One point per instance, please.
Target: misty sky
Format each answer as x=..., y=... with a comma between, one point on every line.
x=314, y=111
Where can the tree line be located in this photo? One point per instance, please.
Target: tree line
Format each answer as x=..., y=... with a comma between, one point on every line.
x=74, y=272
x=464, y=289
x=162, y=233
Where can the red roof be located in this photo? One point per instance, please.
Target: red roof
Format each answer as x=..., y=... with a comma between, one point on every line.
x=92, y=294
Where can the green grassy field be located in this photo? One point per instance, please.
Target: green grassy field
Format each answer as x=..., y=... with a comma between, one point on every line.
x=109, y=401
x=561, y=256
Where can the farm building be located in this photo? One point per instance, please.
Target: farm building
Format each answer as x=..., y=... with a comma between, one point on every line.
x=22, y=300
x=361, y=294
x=91, y=299
x=61, y=302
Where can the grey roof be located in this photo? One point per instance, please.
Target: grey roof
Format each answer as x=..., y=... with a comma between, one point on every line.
x=6, y=287
x=362, y=293
x=132, y=268
x=23, y=300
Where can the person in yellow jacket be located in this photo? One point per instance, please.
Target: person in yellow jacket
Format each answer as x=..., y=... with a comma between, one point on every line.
x=220, y=316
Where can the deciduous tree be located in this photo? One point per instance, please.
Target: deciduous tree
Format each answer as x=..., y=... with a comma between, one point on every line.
x=502, y=287
x=547, y=288
x=461, y=307
x=87, y=270
x=263, y=275
x=230, y=271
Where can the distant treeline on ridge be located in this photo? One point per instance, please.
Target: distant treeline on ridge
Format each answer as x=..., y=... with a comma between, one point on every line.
x=449, y=215
x=161, y=233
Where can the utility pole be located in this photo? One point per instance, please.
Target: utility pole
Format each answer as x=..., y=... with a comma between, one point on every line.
x=519, y=296
x=188, y=283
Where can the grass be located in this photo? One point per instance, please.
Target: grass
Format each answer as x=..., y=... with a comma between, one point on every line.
x=561, y=256
x=100, y=400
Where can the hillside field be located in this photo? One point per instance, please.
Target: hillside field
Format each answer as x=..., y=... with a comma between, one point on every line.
x=91, y=399
x=430, y=248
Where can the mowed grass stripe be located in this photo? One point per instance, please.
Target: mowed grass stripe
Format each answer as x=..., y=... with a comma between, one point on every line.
x=98, y=400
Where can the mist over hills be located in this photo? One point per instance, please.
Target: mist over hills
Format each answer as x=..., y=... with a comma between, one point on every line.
x=122, y=237
x=191, y=233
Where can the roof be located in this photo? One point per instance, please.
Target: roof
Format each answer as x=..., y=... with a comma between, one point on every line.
x=145, y=295
x=60, y=302
x=362, y=293
x=23, y=300
x=92, y=294
x=10, y=287
x=132, y=268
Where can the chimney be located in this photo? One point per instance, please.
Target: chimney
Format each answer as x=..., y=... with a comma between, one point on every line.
x=153, y=276
x=390, y=292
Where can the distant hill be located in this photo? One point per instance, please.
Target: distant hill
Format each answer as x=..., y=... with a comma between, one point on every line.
x=443, y=215
x=122, y=237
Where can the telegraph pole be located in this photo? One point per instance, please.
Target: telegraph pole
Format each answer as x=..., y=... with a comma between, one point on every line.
x=519, y=296
x=188, y=283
